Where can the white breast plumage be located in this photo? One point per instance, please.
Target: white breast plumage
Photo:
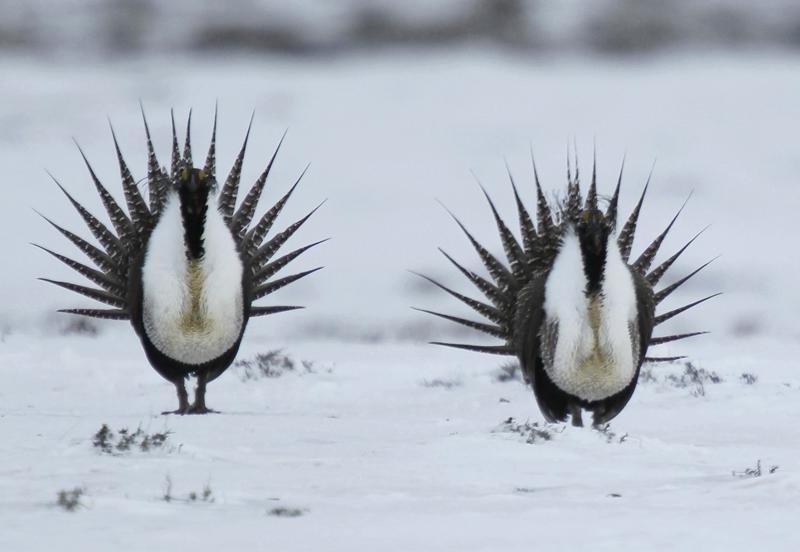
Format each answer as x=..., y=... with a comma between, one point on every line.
x=192, y=310
x=593, y=355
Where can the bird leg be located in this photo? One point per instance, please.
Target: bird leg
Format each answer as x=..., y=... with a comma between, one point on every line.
x=199, y=406
x=183, y=398
x=575, y=412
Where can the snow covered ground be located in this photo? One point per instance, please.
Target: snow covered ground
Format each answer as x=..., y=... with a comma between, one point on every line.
x=387, y=441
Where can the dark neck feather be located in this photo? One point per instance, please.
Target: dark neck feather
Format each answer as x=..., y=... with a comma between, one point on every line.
x=594, y=245
x=194, y=205
x=594, y=269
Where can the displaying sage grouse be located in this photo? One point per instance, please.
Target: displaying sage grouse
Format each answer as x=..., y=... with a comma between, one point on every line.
x=577, y=313
x=186, y=265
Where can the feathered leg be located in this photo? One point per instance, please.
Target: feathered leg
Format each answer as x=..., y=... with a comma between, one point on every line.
x=575, y=414
x=199, y=406
x=183, y=399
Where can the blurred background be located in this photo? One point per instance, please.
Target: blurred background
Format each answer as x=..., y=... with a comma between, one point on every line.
x=400, y=104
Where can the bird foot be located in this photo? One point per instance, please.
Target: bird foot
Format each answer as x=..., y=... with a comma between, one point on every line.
x=180, y=411
x=201, y=409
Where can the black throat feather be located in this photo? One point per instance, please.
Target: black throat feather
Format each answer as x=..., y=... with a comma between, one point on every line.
x=594, y=248
x=194, y=206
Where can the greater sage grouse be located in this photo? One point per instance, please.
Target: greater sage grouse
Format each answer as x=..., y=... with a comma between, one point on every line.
x=570, y=304
x=185, y=265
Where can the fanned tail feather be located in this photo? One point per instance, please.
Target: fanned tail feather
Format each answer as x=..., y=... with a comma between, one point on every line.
x=91, y=293
x=95, y=276
x=265, y=311
x=99, y=230
x=626, y=235
x=664, y=293
x=108, y=314
x=137, y=208
x=242, y=217
x=490, y=349
x=492, y=292
x=495, y=331
x=264, y=253
x=227, y=197
x=657, y=273
x=642, y=264
x=270, y=269
x=499, y=273
x=255, y=236
x=210, y=166
x=526, y=227
x=670, y=338
x=271, y=287
x=122, y=224
x=675, y=312
x=99, y=258
x=485, y=310
x=664, y=359
x=514, y=254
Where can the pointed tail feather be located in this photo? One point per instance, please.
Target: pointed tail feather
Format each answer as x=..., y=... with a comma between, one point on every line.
x=664, y=359
x=122, y=224
x=264, y=253
x=271, y=287
x=490, y=349
x=642, y=264
x=544, y=217
x=210, y=166
x=664, y=293
x=176, y=154
x=492, y=292
x=96, y=294
x=227, y=197
x=266, y=311
x=669, y=338
x=99, y=230
x=244, y=214
x=500, y=274
x=101, y=279
x=675, y=312
x=495, y=331
x=270, y=269
x=156, y=179
x=483, y=309
x=108, y=314
x=613, y=205
x=256, y=234
x=591, y=195
x=625, y=238
x=99, y=258
x=657, y=273
x=139, y=213
x=187, y=145
x=526, y=227
x=514, y=254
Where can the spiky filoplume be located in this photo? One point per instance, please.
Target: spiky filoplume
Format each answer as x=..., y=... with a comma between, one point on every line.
x=124, y=244
x=517, y=293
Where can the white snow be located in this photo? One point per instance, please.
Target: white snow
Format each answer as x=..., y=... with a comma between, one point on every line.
x=375, y=457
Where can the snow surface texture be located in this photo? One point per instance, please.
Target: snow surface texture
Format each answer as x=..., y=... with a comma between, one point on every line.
x=391, y=443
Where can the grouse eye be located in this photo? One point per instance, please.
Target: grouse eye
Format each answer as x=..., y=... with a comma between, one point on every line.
x=184, y=174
